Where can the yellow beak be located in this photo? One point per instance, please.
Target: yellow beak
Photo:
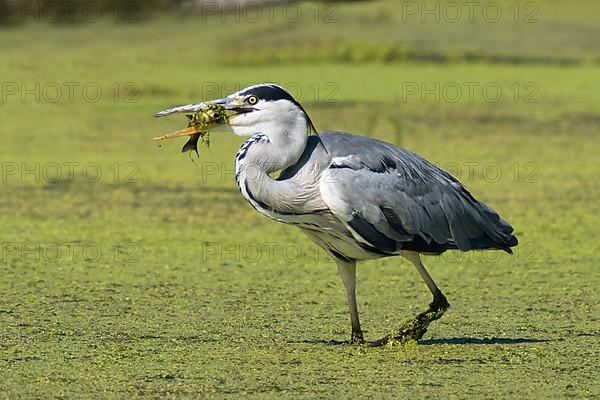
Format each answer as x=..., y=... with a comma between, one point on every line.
x=190, y=130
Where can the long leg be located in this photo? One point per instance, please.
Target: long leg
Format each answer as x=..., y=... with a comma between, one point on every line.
x=416, y=328
x=347, y=271
x=439, y=300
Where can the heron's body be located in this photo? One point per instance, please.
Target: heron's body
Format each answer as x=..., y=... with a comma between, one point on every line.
x=357, y=197
x=405, y=203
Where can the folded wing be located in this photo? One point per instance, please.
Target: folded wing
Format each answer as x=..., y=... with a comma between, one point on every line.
x=391, y=199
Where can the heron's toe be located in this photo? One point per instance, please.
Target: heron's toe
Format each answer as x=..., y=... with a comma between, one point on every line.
x=410, y=330
x=357, y=338
x=380, y=342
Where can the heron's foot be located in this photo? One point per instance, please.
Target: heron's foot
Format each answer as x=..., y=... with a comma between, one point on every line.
x=439, y=304
x=357, y=338
x=415, y=328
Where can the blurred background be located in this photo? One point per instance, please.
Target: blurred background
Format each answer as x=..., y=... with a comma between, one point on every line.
x=130, y=269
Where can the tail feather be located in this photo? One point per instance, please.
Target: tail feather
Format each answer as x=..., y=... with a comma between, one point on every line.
x=485, y=242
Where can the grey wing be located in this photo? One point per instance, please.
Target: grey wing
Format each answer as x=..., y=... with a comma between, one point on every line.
x=391, y=199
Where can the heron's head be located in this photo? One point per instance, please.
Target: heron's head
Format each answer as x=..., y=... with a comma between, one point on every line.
x=263, y=108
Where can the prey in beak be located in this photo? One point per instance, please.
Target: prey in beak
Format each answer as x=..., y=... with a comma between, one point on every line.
x=201, y=118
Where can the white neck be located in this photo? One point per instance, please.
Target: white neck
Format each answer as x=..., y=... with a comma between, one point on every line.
x=279, y=147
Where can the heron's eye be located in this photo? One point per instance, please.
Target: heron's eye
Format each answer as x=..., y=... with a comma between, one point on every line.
x=252, y=100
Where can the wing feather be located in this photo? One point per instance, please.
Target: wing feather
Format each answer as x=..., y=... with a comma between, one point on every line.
x=384, y=193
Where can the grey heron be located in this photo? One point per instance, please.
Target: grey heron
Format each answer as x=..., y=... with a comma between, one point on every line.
x=357, y=197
